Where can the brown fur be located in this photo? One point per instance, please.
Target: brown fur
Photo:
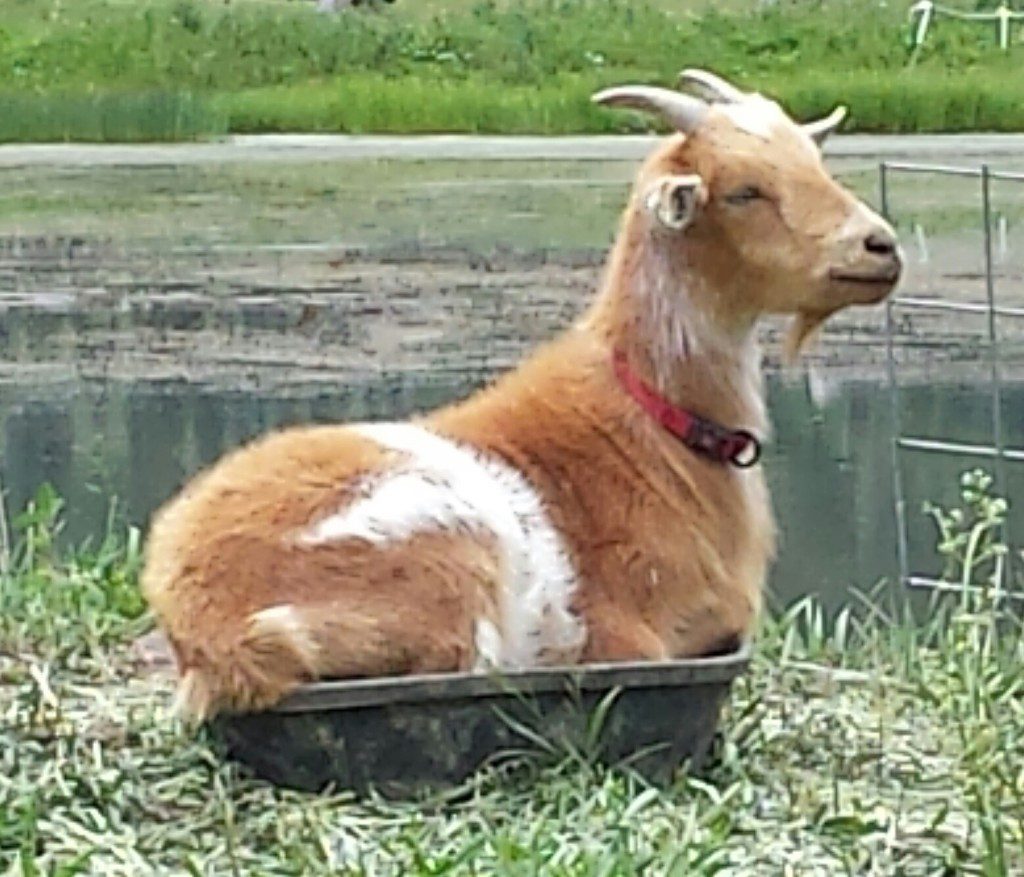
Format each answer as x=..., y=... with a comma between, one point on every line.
x=671, y=548
x=226, y=549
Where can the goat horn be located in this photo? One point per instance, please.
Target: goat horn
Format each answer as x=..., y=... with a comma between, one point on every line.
x=821, y=128
x=711, y=87
x=684, y=112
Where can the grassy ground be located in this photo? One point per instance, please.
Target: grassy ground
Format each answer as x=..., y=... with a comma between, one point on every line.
x=884, y=747
x=174, y=69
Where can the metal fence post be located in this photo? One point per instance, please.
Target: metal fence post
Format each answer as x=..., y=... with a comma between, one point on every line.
x=894, y=402
x=993, y=347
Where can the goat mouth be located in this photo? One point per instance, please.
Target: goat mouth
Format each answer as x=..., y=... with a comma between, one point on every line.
x=886, y=279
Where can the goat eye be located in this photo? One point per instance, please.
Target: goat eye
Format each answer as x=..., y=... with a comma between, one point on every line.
x=744, y=195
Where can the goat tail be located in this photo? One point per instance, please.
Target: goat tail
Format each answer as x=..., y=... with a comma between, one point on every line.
x=275, y=654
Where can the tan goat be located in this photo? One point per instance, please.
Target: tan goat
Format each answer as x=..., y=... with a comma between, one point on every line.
x=597, y=503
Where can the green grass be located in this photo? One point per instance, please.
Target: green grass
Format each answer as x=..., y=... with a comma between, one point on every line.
x=143, y=116
x=178, y=69
x=372, y=103
x=874, y=745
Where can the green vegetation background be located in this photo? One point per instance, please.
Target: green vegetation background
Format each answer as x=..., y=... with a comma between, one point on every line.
x=178, y=69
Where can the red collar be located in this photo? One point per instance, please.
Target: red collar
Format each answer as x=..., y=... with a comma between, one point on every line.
x=723, y=445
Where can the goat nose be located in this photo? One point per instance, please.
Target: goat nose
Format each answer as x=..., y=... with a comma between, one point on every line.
x=880, y=243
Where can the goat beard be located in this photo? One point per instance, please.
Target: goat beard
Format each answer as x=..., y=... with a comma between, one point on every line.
x=803, y=331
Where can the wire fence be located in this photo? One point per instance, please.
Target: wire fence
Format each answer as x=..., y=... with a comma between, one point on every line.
x=1000, y=448
x=924, y=12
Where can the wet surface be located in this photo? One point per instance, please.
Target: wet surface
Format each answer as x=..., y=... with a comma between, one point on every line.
x=154, y=315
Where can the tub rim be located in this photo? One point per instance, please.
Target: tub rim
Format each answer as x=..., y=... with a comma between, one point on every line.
x=428, y=687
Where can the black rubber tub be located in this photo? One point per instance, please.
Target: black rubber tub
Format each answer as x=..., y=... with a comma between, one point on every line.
x=414, y=734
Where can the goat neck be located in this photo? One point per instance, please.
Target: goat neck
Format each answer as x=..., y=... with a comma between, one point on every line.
x=679, y=329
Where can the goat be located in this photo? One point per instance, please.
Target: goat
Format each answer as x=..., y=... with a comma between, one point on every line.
x=597, y=503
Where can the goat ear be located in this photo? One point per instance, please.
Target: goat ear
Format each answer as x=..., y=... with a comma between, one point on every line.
x=674, y=201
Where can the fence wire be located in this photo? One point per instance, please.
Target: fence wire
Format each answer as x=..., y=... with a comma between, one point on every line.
x=997, y=448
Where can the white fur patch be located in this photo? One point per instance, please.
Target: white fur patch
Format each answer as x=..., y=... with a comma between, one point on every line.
x=280, y=617
x=488, y=643
x=756, y=116
x=670, y=321
x=678, y=329
x=443, y=486
x=284, y=620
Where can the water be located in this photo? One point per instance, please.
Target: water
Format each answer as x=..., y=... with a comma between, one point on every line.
x=155, y=316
